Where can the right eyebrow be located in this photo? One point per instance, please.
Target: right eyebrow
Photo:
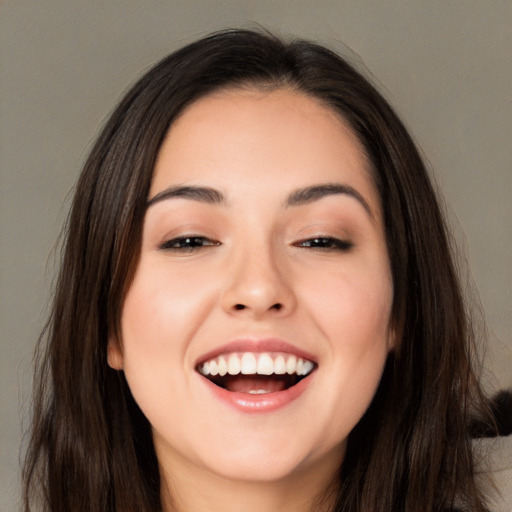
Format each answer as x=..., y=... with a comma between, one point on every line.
x=201, y=194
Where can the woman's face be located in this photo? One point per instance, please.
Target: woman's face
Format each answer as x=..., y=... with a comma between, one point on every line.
x=264, y=259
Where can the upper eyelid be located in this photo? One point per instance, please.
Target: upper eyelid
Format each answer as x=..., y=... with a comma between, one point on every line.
x=323, y=237
x=315, y=236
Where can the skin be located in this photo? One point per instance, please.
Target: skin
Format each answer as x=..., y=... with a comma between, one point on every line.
x=256, y=148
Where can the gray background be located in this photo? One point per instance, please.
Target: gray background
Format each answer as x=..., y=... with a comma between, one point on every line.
x=445, y=65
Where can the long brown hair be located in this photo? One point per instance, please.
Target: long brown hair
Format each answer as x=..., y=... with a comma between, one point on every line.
x=91, y=447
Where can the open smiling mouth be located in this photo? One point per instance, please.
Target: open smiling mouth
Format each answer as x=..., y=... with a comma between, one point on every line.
x=256, y=373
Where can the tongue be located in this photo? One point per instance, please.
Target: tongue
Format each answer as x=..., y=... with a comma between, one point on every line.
x=255, y=384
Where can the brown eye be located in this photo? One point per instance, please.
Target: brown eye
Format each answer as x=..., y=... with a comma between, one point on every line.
x=325, y=243
x=188, y=243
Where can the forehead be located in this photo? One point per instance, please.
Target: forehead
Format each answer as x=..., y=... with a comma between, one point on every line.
x=259, y=135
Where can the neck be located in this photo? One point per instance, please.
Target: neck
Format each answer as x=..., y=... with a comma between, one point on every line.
x=196, y=490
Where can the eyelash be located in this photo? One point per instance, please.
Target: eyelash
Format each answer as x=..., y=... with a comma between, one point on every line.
x=188, y=243
x=325, y=243
x=192, y=243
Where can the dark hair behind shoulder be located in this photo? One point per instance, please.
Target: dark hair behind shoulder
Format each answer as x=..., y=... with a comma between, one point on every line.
x=91, y=447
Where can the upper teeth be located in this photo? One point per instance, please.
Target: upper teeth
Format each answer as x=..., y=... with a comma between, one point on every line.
x=249, y=363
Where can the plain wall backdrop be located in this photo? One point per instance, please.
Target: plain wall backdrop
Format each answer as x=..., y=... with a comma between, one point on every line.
x=446, y=66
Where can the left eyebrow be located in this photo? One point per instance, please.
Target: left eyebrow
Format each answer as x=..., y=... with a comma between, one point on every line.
x=313, y=193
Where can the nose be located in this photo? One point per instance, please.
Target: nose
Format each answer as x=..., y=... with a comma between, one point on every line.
x=259, y=285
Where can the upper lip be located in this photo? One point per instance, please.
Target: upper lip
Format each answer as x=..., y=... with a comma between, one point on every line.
x=256, y=346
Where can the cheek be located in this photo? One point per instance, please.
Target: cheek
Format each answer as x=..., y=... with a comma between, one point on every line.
x=163, y=306
x=354, y=315
x=160, y=316
x=156, y=326
x=353, y=305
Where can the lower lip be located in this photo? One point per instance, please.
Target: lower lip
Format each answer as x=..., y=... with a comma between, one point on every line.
x=267, y=402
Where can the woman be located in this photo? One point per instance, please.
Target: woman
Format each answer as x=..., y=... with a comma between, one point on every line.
x=257, y=308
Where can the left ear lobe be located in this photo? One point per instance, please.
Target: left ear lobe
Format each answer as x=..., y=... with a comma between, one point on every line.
x=391, y=343
x=115, y=355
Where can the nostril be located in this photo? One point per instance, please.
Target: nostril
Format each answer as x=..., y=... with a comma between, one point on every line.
x=277, y=306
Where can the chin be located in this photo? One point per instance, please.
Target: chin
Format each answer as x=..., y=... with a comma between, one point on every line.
x=263, y=465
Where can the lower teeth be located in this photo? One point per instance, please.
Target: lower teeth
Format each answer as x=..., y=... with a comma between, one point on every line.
x=250, y=383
